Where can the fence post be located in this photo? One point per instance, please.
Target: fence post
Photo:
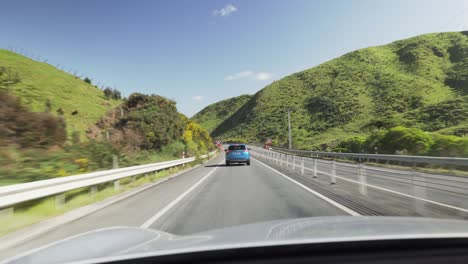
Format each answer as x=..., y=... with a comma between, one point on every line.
x=302, y=165
x=362, y=179
x=333, y=172
x=315, y=168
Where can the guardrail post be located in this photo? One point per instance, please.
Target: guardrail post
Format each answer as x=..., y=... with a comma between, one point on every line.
x=6, y=213
x=93, y=190
x=315, y=168
x=116, y=185
x=333, y=172
x=287, y=160
x=302, y=165
x=115, y=162
x=293, y=163
x=59, y=201
x=281, y=160
x=362, y=179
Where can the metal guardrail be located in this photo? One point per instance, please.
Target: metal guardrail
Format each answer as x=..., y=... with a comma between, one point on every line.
x=24, y=192
x=424, y=188
x=381, y=157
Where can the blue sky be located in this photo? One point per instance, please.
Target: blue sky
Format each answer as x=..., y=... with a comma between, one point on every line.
x=198, y=52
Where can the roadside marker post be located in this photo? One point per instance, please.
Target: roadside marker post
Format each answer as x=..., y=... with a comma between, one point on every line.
x=333, y=172
x=362, y=174
x=302, y=165
x=315, y=168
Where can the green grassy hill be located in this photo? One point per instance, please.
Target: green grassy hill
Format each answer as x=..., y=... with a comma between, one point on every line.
x=38, y=82
x=406, y=82
x=213, y=115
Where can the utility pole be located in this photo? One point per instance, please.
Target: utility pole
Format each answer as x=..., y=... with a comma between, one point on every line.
x=289, y=128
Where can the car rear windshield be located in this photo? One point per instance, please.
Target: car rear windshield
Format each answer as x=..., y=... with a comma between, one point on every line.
x=237, y=147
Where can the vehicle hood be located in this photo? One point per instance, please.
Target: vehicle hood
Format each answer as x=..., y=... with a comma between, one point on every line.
x=128, y=242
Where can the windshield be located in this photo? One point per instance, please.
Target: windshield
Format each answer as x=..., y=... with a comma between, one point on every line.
x=190, y=116
x=236, y=147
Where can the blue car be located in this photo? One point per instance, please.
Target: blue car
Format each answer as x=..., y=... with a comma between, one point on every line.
x=237, y=153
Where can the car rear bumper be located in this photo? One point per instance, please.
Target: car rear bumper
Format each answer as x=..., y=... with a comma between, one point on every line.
x=237, y=160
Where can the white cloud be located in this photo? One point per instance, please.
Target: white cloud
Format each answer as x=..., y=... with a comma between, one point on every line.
x=259, y=76
x=239, y=75
x=226, y=11
x=198, y=98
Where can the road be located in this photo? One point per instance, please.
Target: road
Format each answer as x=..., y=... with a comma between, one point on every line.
x=214, y=196
x=451, y=191
x=208, y=197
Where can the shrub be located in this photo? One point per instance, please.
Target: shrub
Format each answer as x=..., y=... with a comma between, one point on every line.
x=409, y=140
x=449, y=146
x=28, y=129
x=353, y=145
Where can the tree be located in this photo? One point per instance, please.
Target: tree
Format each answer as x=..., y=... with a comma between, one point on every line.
x=87, y=80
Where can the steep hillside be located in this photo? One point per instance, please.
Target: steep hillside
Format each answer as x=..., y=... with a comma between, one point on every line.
x=213, y=115
x=402, y=83
x=36, y=83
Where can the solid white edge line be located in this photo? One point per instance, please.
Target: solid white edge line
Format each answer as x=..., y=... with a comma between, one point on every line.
x=168, y=207
x=340, y=206
x=403, y=194
x=4, y=245
x=394, y=192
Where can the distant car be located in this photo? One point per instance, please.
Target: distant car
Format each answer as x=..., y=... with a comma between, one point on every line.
x=237, y=153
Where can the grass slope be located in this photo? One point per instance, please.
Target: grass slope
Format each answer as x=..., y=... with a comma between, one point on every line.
x=359, y=92
x=213, y=115
x=41, y=81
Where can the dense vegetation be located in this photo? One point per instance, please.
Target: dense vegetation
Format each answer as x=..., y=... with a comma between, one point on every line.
x=150, y=122
x=406, y=141
x=27, y=129
x=44, y=114
x=213, y=115
x=147, y=128
x=421, y=82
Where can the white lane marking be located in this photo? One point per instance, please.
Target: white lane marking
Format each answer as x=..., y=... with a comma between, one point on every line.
x=168, y=207
x=340, y=206
x=403, y=194
x=394, y=192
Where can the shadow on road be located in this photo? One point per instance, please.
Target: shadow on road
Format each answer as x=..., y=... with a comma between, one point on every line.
x=224, y=165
